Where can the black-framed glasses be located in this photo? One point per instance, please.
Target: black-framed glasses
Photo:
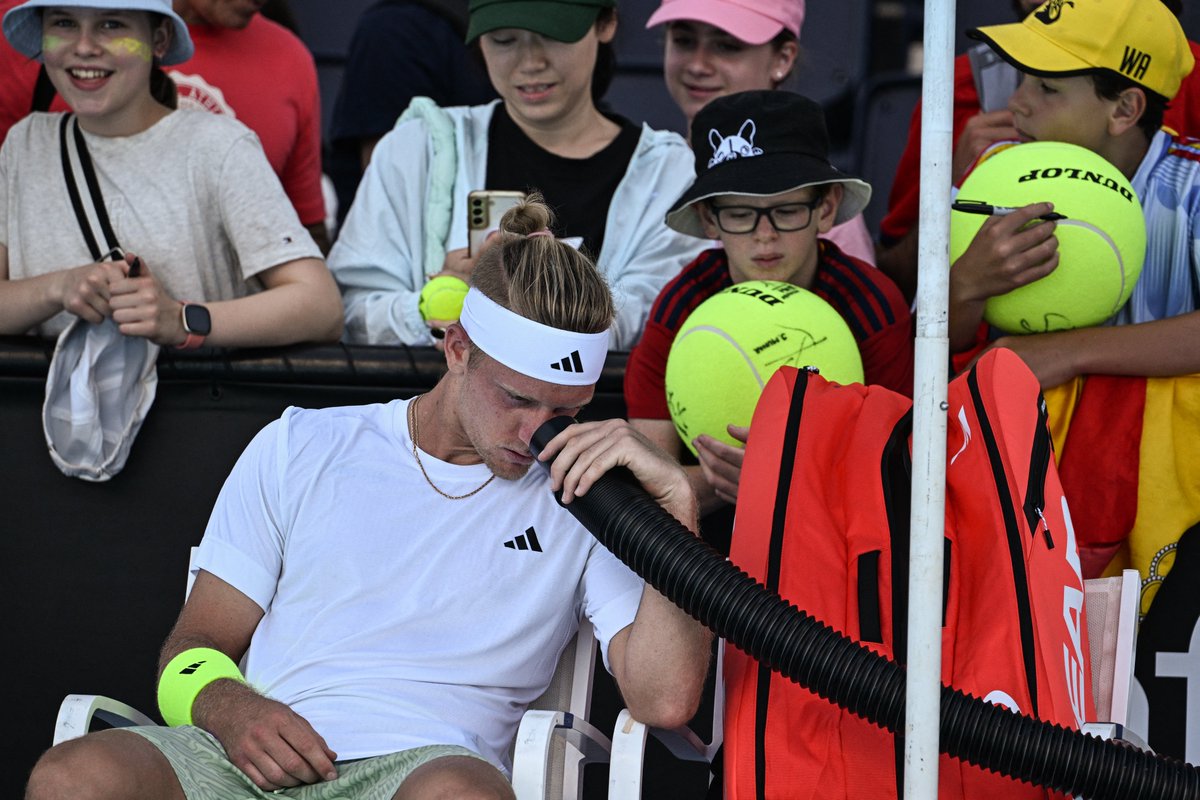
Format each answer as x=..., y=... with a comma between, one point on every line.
x=785, y=218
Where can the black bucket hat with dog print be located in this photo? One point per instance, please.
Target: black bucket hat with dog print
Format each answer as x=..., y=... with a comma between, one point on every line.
x=761, y=143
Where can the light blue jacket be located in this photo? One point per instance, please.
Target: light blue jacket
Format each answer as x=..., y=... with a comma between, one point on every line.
x=411, y=208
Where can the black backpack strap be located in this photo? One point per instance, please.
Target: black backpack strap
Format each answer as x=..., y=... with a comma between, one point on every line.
x=73, y=190
x=43, y=92
x=89, y=174
x=896, y=479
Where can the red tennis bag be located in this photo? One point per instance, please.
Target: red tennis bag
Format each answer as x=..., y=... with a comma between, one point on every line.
x=823, y=519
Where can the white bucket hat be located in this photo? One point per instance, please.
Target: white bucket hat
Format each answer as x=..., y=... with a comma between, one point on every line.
x=23, y=24
x=99, y=389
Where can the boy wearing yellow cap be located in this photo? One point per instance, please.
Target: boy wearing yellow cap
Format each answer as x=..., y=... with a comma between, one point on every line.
x=1098, y=73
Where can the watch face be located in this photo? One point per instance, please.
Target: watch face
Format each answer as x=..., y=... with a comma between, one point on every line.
x=197, y=320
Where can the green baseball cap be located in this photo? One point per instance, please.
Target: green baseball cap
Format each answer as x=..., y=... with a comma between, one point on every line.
x=562, y=20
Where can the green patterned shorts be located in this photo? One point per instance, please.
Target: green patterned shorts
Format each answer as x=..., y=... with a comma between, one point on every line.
x=206, y=773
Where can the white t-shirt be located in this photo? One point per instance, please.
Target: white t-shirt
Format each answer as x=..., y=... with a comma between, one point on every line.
x=192, y=195
x=395, y=617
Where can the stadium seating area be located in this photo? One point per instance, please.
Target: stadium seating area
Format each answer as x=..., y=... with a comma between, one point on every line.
x=859, y=58
x=844, y=47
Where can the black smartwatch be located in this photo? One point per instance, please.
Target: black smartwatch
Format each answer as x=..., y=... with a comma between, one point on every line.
x=197, y=324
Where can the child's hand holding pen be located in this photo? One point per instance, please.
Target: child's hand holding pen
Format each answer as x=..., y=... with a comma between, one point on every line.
x=976, y=207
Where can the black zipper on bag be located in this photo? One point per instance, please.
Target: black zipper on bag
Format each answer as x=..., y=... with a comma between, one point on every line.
x=1039, y=465
x=787, y=464
x=895, y=475
x=1016, y=547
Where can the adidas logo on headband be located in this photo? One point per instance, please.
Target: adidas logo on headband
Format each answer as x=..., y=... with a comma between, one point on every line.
x=530, y=347
x=571, y=363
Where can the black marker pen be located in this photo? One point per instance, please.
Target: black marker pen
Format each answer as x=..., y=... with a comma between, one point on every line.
x=975, y=207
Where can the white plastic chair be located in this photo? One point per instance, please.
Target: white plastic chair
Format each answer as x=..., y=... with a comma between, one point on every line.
x=1112, y=615
x=554, y=740
x=629, y=741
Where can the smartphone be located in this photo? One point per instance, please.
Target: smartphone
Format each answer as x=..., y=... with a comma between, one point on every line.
x=485, y=207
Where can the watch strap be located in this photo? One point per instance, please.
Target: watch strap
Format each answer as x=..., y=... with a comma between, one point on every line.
x=193, y=341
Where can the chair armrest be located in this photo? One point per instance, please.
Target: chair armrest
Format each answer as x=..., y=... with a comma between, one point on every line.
x=628, y=757
x=77, y=711
x=531, y=758
x=629, y=750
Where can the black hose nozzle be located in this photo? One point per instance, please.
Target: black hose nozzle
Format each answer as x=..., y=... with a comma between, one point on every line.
x=699, y=580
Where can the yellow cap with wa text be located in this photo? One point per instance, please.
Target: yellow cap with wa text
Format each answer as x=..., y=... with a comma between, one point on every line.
x=1140, y=39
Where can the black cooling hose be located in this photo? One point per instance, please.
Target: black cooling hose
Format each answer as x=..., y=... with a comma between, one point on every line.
x=699, y=580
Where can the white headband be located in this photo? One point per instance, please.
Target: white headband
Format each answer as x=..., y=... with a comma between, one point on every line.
x=531, y=348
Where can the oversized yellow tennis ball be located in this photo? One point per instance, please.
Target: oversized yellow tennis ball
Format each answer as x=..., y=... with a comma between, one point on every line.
x=442, y=298
x=1101, y=244
x=736, y=339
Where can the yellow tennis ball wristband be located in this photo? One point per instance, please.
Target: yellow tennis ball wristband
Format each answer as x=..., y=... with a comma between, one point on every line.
x=186, y=675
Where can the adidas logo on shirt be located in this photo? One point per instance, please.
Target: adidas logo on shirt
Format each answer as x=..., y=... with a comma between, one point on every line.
x=571, y=363
x=526, y=541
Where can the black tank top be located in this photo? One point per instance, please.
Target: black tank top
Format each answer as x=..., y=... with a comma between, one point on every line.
x=578, y=189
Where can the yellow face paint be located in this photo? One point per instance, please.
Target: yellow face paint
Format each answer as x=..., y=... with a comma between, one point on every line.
x=134, y=47
x=50, y=42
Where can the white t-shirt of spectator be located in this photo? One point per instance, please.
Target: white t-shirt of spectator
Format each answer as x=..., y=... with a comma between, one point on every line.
x=192, y=195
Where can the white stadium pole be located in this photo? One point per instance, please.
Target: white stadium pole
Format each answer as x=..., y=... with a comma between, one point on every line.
x=923, y=698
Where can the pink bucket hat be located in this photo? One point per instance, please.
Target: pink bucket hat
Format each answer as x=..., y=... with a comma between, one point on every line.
x=752, y=21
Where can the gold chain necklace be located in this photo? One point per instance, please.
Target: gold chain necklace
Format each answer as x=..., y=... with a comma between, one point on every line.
x=412, y=434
